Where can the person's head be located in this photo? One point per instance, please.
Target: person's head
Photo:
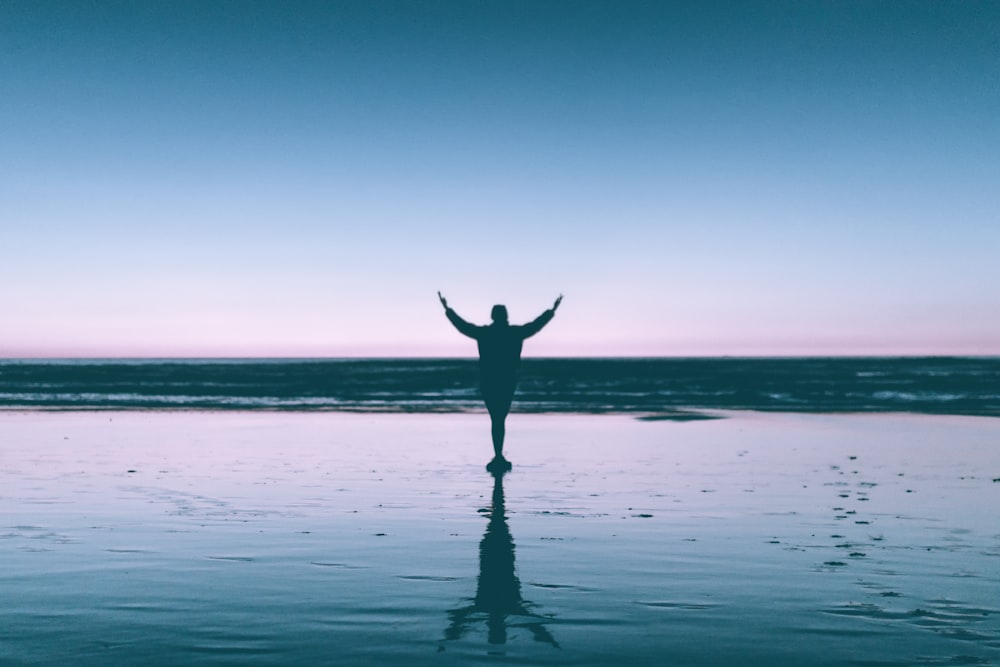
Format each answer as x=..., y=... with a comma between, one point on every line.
x=499, y=314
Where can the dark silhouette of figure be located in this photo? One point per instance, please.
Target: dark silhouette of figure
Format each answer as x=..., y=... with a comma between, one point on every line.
x=498, y=590
x=499, y=359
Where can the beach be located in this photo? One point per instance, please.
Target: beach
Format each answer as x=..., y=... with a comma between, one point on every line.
x=231, y=537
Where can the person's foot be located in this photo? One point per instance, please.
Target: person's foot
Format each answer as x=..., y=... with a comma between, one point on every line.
x=499, y=464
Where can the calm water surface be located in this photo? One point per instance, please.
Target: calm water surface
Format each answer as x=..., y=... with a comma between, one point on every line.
x=319, y=538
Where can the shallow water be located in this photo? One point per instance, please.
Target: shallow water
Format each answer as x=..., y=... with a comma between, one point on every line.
x=234, y=538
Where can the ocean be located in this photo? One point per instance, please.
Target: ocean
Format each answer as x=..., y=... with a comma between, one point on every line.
x=649, y=388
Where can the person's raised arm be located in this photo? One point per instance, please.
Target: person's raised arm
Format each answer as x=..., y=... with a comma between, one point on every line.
x=463, y=327
x=533, y=327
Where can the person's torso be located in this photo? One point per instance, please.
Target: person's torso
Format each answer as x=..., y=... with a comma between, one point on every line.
x=500, y=348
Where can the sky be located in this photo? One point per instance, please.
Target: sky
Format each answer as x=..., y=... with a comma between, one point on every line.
x=231, y=179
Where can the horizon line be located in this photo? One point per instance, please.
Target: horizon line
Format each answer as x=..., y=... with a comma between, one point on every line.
x=475, y=358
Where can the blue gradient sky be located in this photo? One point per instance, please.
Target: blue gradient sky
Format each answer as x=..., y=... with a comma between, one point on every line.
x=300, y=178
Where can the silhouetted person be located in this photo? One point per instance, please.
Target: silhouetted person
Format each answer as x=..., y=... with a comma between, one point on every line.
x=499, y=358
x=498, y=590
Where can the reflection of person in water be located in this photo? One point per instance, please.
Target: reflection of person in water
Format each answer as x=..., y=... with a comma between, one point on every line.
x=498, y=593
x=499, y=358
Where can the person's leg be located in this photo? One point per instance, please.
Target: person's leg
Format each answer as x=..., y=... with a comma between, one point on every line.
x=499, y=431
x=498, y=402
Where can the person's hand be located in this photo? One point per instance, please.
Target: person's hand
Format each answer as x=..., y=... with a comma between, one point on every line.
x=556, y=304
x=444, y=302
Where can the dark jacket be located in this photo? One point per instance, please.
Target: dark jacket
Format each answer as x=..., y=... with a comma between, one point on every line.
x=499, y=344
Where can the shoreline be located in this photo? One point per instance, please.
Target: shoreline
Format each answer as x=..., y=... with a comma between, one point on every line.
x=678, y=415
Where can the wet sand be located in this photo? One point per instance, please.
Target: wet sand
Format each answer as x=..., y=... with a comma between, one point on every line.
x=326, y=538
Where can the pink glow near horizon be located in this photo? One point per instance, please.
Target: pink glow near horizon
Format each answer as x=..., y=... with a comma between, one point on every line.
x=196, y=182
